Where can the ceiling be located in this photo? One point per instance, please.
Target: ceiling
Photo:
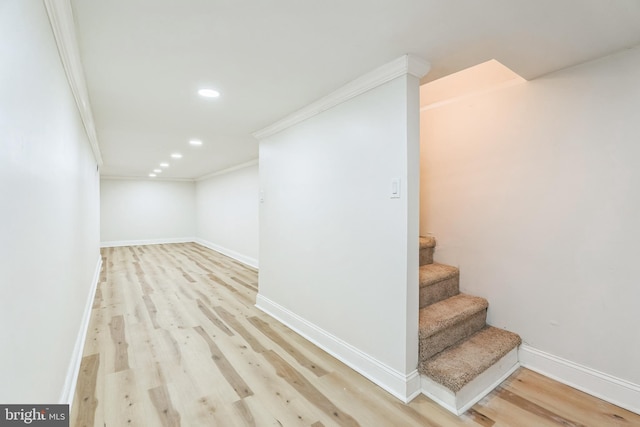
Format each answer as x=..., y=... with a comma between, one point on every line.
x=144, y=61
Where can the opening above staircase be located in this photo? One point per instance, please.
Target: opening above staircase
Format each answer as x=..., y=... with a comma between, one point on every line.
x=461, y=358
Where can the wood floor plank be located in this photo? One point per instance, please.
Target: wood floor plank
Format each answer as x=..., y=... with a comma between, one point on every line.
x=187, y=276
x=168, y=415
x=372, y=406
x=274, y=401
x=479, y=418
x=142, y=278
x=226, y=368
x=205, y=411
x=86, y=400
x=120, y=343
x=506, y=413
x=98, y=298
x=172, y=346
x=306, y=389
x=176, y=313
x=245, y=413
x=151, y=310
x=148, y=351
x=566, y=401
x=96, y=330
x=242, y=295
x=175, y=339
x=538, y=410
x=255, y=344
x=203, y=297
x=264, y=327
x=195, y=391
x=245, y=284
x=124, y=394
x=213, y=318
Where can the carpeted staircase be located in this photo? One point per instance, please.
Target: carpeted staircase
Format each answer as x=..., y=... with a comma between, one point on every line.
x=461, y=357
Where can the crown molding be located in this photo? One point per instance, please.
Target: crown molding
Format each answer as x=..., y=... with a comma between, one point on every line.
x=159, y=178
x=62, y=24
x=406, y=64
x=143, y=178
x=228, y=170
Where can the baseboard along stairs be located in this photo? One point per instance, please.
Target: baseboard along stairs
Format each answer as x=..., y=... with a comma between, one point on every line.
x=461, y=358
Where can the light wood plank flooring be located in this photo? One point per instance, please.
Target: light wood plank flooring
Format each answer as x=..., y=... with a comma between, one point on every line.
x=175, y=340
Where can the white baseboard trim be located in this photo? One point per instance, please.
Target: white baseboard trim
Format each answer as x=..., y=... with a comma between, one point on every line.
x=116, y=243
x=603, y=386
x=228, y=252
x=403, y=386
x=71, y=379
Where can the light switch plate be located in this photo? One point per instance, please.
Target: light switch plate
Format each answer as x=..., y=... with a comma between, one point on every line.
x=395, y=188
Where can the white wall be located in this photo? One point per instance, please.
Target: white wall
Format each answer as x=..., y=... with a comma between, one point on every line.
x=49, y=241
x=139, y=211
x=338, y=256
x=532, y=191
x=220, y=212
x=227, y=213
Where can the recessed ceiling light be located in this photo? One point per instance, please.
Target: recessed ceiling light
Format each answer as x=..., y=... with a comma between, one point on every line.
x=209, y=93
x=157, y=170
x=164, y=165
x=176, y=155
x=152, y=175
x=196, y=142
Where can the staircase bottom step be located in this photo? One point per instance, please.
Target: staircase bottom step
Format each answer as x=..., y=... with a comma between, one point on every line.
x=461, y=363
x=460, y=401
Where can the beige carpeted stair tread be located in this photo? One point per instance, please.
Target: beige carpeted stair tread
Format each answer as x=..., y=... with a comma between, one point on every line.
x=444, y=314
x=458, y=365
x=427, y=242
x=434, y=273
x=427, y=247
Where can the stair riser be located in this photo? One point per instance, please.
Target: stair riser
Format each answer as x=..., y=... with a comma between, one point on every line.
x=439, y=291
x=430, y=346
x=426, y=256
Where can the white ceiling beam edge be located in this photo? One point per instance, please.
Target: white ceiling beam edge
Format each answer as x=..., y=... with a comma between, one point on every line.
x=62, y=24
x=406, y=64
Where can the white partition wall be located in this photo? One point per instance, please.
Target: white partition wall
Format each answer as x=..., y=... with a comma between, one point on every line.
x=339, y=251
x=145, y=211
x=49, y=213
x=227, y=212
x=219, y=211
